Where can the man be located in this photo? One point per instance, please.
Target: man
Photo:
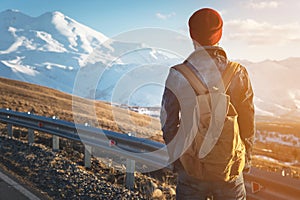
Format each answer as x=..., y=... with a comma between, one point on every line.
x=208, y=62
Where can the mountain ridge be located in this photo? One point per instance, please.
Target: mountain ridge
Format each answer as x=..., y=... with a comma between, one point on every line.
x=56, y=51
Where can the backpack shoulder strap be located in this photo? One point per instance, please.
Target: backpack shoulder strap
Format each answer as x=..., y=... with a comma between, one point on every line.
x=198, y=86
x=229, y=72
x=192, y=78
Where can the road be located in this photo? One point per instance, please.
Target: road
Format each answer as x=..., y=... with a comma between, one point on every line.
x=10, y=189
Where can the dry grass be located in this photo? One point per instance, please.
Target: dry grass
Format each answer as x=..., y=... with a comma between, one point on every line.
x=283, y=153
x=45, y=101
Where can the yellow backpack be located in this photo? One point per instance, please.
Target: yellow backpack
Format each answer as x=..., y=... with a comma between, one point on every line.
x=217, y=151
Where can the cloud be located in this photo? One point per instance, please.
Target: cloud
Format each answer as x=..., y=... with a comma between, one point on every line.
x=262, y=33
x=165, y=16
x=263, y=4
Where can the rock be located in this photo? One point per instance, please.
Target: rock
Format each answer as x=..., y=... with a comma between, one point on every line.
x=112, y=170
x=172, y=192
x=111, y=178
x=121, y=179
x=152, y=185
x=157, y=194
x=147, y=186
x=60, y=176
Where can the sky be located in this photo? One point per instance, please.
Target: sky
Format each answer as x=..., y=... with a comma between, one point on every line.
x=254, y=30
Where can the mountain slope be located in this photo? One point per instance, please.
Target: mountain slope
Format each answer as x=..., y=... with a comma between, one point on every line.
x=52, y=32
x=276, y=87
x=25, y=97
x=45, y=50
x=55, y=51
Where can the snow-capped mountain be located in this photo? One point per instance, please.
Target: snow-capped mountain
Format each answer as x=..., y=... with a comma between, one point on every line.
x=54, y=50
x=276, y=87
x=45, y=50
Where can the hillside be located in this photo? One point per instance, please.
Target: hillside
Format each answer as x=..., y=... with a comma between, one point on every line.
x=275, y=85
x=45, y=101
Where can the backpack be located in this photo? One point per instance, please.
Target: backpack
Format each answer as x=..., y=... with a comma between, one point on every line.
x=217, y=151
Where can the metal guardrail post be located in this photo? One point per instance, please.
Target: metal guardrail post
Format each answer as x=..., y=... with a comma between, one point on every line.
x=30, y=136
x=130, y=168
x=9, y=131
x=55, y=143
x=87, y=156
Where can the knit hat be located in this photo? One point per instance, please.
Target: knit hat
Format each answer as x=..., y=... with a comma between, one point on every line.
x=206, y=26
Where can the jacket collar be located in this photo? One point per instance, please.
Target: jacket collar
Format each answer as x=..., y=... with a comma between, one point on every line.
x=208, y=62
x=212, y=51
x=205, y=54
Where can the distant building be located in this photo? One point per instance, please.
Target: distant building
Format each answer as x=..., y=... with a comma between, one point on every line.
x=150, y=111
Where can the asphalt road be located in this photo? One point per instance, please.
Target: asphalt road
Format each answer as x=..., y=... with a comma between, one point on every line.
x=10, y=190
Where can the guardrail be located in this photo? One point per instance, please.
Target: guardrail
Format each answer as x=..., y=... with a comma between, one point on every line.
x=271, y=185
x=260, y=184
x=130, y=147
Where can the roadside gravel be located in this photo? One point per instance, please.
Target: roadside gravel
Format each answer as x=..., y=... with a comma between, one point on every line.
x=61, y=175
